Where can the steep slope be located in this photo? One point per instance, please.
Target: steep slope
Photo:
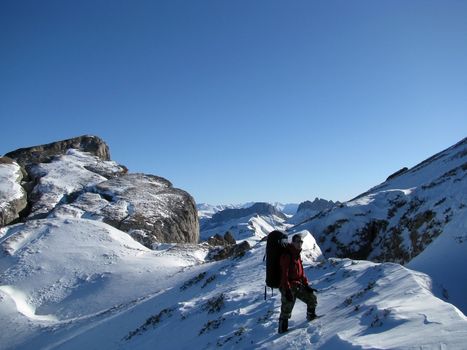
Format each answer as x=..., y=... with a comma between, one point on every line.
x=77, y=284
x=444, y=260
x=61, y=271
x=398, y=219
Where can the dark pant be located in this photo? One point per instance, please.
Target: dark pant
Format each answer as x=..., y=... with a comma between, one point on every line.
x=302, y=293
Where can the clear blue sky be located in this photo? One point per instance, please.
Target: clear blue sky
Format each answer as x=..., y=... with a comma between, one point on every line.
x=241, y=100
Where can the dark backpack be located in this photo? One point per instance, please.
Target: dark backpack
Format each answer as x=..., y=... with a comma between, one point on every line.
x=275, y=246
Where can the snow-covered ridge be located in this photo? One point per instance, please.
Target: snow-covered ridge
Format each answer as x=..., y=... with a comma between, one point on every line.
x=405, y=217
x=99, y=289
x=72, y=281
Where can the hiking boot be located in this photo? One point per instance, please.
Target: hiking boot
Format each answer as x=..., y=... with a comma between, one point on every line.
x=310, y=316
x=283, y=325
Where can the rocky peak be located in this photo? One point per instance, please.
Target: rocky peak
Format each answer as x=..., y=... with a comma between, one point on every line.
x=76, y=178
x=317, y=205
x=45, y=153
x=306, y=210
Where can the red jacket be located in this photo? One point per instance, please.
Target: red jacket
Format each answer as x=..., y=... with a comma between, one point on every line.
x=292, y=268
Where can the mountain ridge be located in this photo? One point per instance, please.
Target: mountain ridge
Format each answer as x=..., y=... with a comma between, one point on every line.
x=400, y=218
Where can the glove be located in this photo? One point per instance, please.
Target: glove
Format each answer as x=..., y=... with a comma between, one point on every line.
x=288, y=295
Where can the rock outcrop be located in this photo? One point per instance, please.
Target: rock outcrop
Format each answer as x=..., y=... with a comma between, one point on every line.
x=218, y=240
x=145, y=206
x=76, y=178
x=45, y=153
x=13, y=198
x=230, y=251
x=317, y=205
x=60, y=180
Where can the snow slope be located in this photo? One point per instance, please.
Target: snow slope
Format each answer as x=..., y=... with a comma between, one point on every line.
x=63, y=270
x=81, y=284
x=445, y=260
x=417, y=218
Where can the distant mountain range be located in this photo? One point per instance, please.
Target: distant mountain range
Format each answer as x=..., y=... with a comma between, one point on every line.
x=253, y=221
x=208, y=210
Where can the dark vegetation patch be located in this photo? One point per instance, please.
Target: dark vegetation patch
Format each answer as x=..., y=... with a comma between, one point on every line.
x=151, y=322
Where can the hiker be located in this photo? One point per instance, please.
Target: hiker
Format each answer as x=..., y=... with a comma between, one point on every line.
x=294, y=284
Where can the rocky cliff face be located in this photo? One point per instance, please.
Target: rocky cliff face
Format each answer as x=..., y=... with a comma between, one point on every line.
x=145, y=206
x=75, y=178
x=396, y=220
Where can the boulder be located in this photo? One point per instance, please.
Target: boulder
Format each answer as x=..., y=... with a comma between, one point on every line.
x=218, y=240
x=13, y=198
x=230, y=251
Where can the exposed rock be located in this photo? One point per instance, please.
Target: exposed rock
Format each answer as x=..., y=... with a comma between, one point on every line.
x=145, y=206
x=231, y=251
x=317, y=205
x=75, y=178
x=218, y=240
x=229, y=238
x=45, y=153
x=13, y=198
x=308, y=209
x=64, y=177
